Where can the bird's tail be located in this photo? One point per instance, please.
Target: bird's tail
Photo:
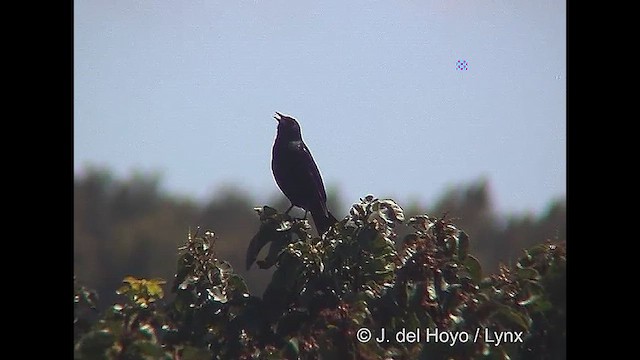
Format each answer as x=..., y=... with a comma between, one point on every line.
x=322, y=221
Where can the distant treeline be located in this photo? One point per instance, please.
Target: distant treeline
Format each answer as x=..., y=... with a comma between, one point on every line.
x=130, y=227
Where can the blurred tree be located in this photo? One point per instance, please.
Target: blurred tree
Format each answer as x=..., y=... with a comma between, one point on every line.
x=117, y=221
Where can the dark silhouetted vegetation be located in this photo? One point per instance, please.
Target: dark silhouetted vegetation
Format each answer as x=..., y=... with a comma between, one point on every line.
x=131, y=227
x=324, y=290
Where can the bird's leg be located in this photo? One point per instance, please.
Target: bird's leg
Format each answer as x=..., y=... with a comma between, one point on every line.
x=306, y=212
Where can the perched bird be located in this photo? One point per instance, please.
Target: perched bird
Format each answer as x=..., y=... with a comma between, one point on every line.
x=297, y=175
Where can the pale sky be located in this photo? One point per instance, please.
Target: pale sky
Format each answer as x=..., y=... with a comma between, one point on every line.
x=189, y=89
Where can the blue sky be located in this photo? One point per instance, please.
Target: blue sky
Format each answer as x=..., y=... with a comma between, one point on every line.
x=189, y=88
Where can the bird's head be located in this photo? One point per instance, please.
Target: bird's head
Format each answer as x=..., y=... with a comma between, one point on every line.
x=288, y=126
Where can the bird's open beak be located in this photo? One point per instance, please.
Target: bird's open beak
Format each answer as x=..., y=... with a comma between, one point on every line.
x=277, y=116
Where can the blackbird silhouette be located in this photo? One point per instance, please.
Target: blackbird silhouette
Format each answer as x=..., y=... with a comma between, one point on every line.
x=297, y=174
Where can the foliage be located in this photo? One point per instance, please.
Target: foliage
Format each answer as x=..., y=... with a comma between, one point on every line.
x=354, y=292
x=84, y=307
x=118, y=220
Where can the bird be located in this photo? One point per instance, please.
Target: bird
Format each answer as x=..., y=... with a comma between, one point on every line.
x=297, y=174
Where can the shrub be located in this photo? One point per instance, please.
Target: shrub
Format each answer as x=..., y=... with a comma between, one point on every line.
x=351, y=293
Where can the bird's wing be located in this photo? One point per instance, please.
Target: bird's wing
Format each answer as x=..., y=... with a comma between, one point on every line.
x=305, y=160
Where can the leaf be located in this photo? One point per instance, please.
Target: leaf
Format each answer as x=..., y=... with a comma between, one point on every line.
x=94, y=345
x=218, y=294
x=130, y=280
x=380, y=242
x=531, y=292
x=463, y=245
x=392, y=210
x=237, y=284
x=154, y=288
x=292, y=349
x=266, y=212
x=275, y=249
x=511, y=319
x=528, y=274
x=474, y=268
x=123, y=289
x=431, y=290
x=422, y=223
x=265, y=235
x=224, y=267
x=159, y=281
